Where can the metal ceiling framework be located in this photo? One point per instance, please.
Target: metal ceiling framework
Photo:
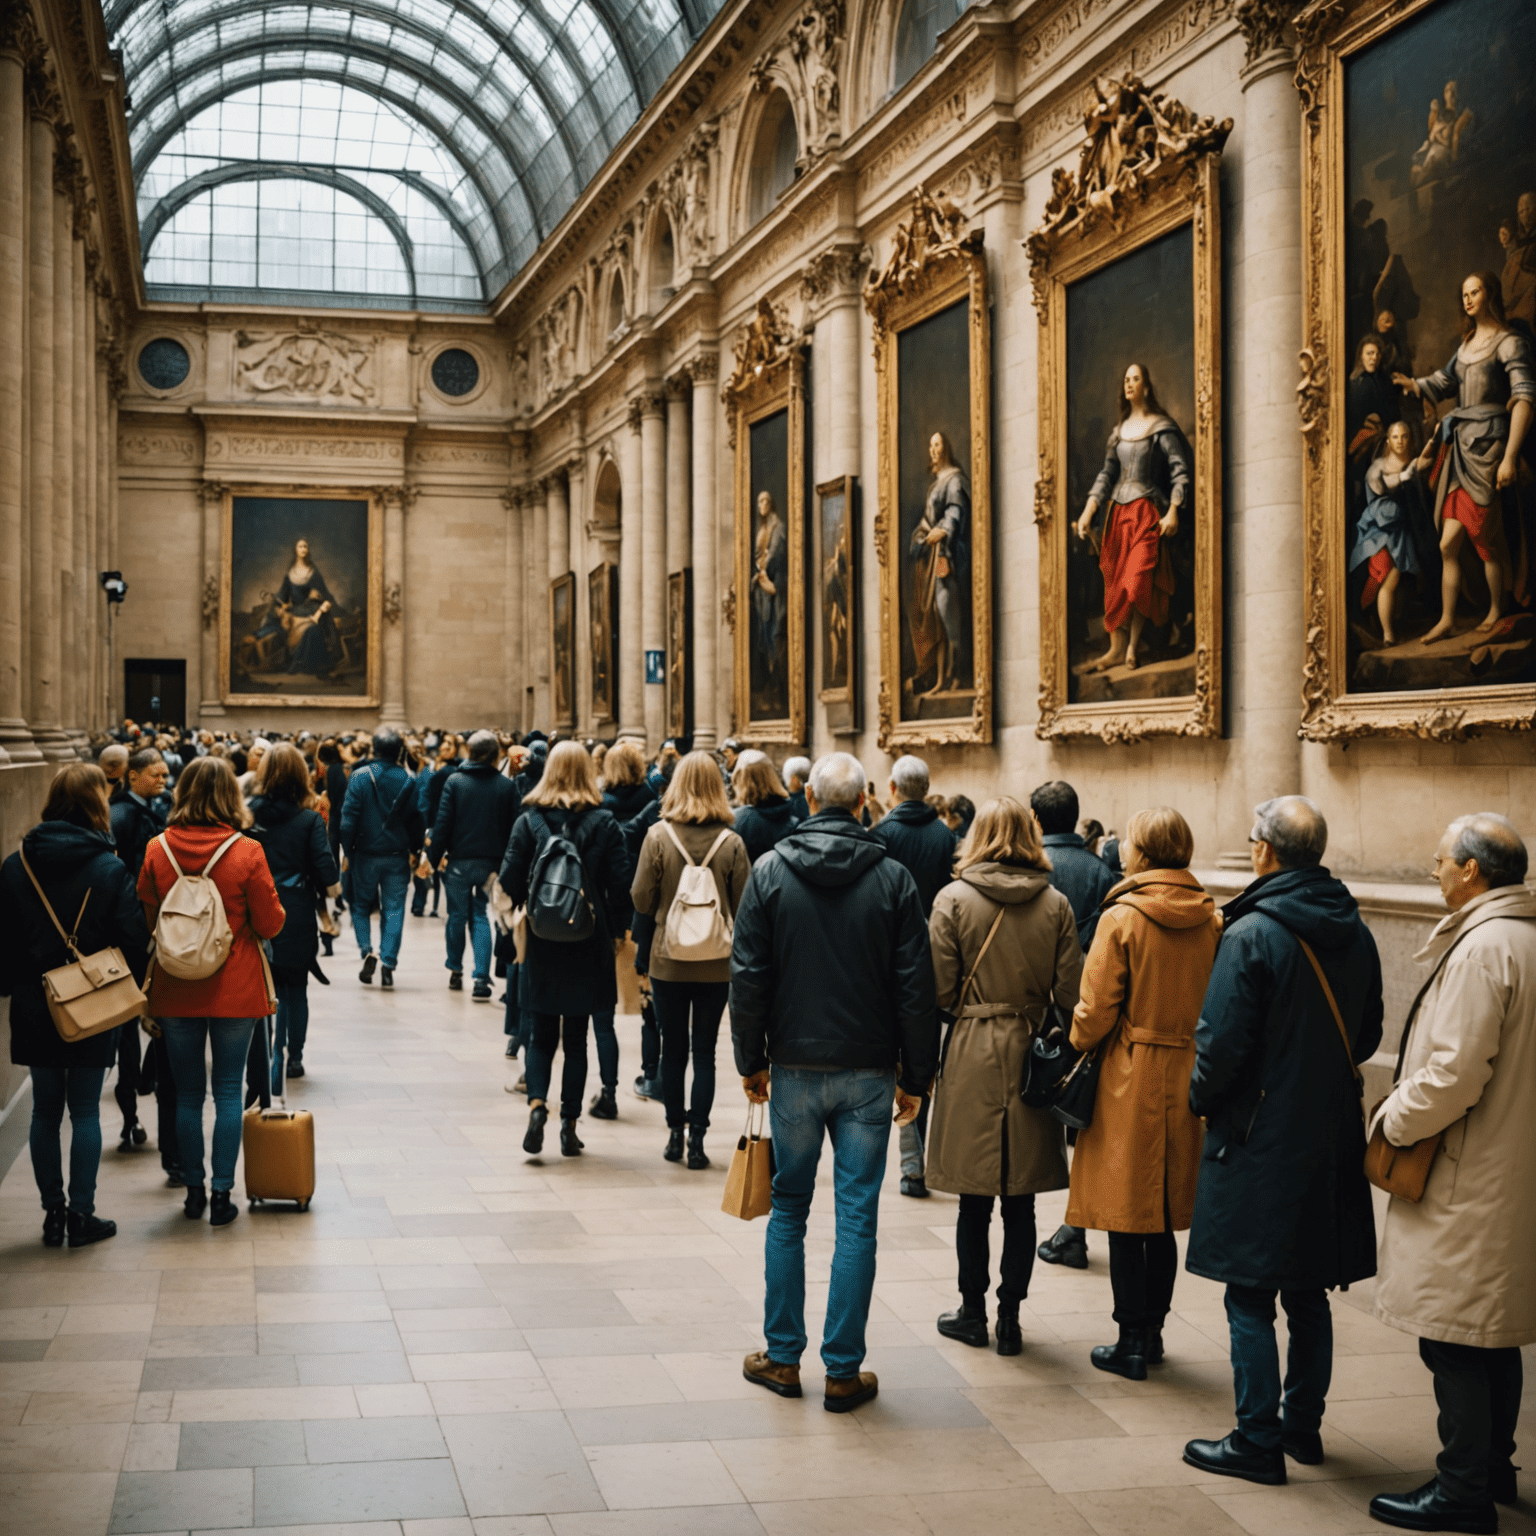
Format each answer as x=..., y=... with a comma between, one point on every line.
x=511, y=106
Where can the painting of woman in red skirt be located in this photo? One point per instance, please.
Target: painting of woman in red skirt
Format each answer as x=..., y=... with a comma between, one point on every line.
x=1142, y=489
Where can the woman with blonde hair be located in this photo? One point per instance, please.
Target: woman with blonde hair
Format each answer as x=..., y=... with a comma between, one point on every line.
x=205, y=835
x=764, y=812
x=564, y=982
x=1005, y=951
x=1134, y=1169
x=695, y=832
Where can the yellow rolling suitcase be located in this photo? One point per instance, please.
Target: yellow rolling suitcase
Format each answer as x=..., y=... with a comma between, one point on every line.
x=279, y=1148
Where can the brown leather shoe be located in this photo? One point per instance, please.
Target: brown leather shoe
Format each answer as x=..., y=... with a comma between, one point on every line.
x=783, y=1379
x=845, y=1393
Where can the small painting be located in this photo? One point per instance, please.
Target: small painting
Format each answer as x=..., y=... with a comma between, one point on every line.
x=679, y=662
x=837, y=585
x=562, y=651
x=603, y=610
x=300, y=600
x=768, y=595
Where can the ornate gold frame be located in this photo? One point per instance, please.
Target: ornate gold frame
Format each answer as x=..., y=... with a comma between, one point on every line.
x=932, y=266
x=603, y=578
x=367, y=700
x=769, y=376
x=1092, y=220
x=679, y=633
x=1329, y=31
x=842, y=703
x=567, y=584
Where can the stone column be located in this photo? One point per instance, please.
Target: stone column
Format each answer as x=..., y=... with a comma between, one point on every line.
x=64, y=300
x=557, y=511
x=576, y=543
x=210, y=704
x=15, y=739
x=513, y=606
x=43, y=683
x=102, y=703
x=79, y=672
x=631, y=548
x=392, y=710
x=704, y=371
x=653, y=564
x=539, y=626
x=1268, y=602
x=679, y=504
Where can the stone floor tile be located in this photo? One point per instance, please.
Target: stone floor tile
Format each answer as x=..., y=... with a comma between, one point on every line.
x=235, y=1403
x=30, y=1322
x=80, y=1408
x=762, y=1416
x=519, y=1394
x=59, y=1503
x=291, y=1307
x=326, y=1338
x=661, y=1474
x=313, y=1279
x=168, y=1340
x=71, y=1376
x=714, y=1376
x=379, y=1402
x=512, y=1525
x=708, y=1520
x=206, y=1372
x=1137, y=1461
x=520, y=1463
x=239, y=1443
x=872, y=1515
x=63, y=1447
x=152, y=1448
x=1028, y=1413
x=448, y=1525
x=94, y=1346
x=398, y=1490
x=1154, y=1512
x=609, y=1381
x=154, y=1501
x=1001, y=1512
x=394, y=1439
x=109, y=1318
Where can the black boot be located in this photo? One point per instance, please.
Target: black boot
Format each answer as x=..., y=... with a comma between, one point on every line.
x=85, y=1230
x=1010, y=1340
x=196, y=1202
x=1068, y=1245
x=570, y=1143
x=1154, y=1346
x=968, y=1324
x=327, y=940
x=674, y=1152
x=1305, y=1446
x=53, y=1226
x=534, y=1140
x=1502, y=1483
x=696, y=1154
x=1430, y=1508
x=222, y=1209
x=604, y=1107
x=1126, y=1358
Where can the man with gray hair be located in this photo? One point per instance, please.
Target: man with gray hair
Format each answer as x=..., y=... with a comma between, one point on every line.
x=1458, y=1267
x=114, y=763
x=832, y=1000
x=916, y=837
x=1282, y=1209
x=797, y=774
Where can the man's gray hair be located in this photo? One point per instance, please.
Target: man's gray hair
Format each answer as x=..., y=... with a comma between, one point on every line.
x=116, y=753
x=837, y=781
x=484, y=747
x=910, y=776
x=797, y=768
x=1294, y=827
x=1491, y=839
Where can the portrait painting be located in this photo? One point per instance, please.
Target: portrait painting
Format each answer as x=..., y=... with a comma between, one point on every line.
x=679, y=662
x=602, y=612
x=1130, y=475
x=562, y=651
x=933, y=367
x=1126, y=269
x=1439, y=305
x=837, y=597
x=766, y=401
x=300, y=591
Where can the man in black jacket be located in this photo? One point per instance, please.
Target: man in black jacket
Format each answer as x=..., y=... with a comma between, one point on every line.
x=1282, y=1206
x=832, y=997
x=430, y=792
x=914, y=835
x=474, y=821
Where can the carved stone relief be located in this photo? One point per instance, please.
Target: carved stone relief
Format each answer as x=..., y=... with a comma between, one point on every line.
x=684, y=191
x=307, y=361
x=807, y=62
x=559, y=331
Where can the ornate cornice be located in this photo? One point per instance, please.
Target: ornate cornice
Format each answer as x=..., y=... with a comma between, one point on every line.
x=836, y=273
x=44, y=99
x=1266, y=25
x=634, y=413
x=652, y=403
x=765, y=342
x=931, y=238
x=18, y=32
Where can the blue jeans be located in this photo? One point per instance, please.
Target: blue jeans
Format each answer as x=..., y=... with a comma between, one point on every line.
x=291, y=1027
x=186, y=1040
x=854, y=1110
x=80, y=1088
x=605, y=1040
x=1256, y=1362
x=387, y=878
x=464, y=880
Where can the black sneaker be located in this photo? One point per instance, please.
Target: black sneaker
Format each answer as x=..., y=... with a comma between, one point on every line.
x=387, y=978
x=455, y=981
x=511, y=1047
x=370, y=962
x=295, y=1067
x=605, y=1106
x=914, y=1189
x=54, y=1223
x=1068, y=1245
x=84, y=1230
x=482, y=992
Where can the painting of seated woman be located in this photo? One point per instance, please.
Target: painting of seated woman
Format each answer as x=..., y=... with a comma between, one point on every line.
x=298, y=578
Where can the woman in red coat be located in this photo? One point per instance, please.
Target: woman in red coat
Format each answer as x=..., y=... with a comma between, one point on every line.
x=206, y=817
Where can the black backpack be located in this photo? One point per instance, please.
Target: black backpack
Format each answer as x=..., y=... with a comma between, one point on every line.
x=559, y=909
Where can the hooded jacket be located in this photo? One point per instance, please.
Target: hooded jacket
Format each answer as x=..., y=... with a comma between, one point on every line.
x=474, y=816
x=1460, y=1266
x=761, y=826
x=914, y=836
x=68, y=861
x=831, y=966
x=302, y=867
x=1143, y=983
x=1282, y=1200
x=1082, y=877
x=984, y=1139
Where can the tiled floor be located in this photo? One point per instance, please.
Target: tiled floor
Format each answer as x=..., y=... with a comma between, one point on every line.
x=460, y=1341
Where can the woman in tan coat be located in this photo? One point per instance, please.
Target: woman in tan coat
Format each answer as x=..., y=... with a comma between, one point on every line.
x=1003, y=920
x=1135, y=1168
x=695, y=829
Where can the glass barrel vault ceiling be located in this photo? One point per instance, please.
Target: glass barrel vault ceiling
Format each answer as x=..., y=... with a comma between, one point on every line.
x=395, y=153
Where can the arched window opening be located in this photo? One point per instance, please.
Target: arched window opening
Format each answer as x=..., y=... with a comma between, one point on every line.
x=774, y=157
x=917, y=35
x=615, y=307
x=663, y=266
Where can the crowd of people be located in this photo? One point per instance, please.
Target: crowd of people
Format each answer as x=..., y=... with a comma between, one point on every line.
x=883, y=960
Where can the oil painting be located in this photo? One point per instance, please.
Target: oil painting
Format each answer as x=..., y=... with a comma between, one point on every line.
x=602, y=612
x=679, y=662
x=837, y=598
x=298, y=620
x=562, y=651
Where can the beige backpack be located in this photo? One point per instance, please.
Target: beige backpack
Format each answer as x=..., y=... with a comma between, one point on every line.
x=698, y=927
x=192, y=933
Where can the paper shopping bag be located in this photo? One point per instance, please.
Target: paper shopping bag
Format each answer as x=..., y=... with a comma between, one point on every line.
x=749, y=1184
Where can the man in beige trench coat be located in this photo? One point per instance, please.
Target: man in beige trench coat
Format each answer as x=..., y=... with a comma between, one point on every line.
x=1459, y=1268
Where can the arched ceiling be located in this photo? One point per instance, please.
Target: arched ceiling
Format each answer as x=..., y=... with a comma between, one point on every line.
x=467, y=125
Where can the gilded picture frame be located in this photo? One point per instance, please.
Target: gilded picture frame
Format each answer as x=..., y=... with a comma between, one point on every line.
x=268, y=635
x=934, y=268
x=1112, y=210
x=562, y=651
x=679, y=654
x=765, y=401
x=837, y=599
x=1331, y=33
x=602, y=607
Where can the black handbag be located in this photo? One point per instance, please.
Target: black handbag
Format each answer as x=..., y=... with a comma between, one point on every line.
x=1077, y=1091
x=1048, y=1060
